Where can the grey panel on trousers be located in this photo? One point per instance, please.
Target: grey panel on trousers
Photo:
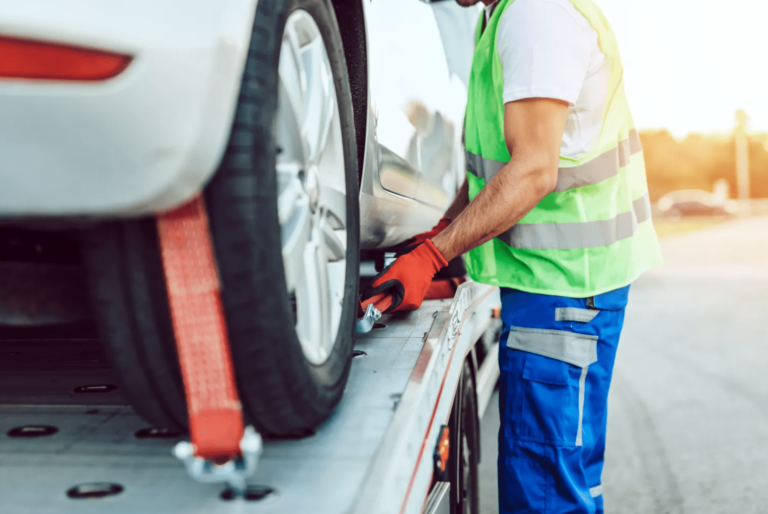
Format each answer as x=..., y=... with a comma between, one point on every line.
x=577, y=349
x=582, y=393
x=575, y=314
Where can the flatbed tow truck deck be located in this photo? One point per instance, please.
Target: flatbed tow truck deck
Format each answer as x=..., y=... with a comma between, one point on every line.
x=64, y=425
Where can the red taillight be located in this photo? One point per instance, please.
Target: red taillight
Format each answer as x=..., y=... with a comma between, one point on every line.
x=25, y=59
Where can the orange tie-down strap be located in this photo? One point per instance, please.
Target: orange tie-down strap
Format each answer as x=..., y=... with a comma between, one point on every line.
x=194, y=294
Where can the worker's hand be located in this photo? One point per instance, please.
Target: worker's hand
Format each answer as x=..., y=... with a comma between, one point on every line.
x=409, y=244
x=407, y=279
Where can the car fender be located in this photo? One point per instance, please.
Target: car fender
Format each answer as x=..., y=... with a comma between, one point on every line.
x=142, y=142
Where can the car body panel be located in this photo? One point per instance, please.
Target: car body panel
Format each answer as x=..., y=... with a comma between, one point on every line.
x=418, y=96
x=142, y=142
x=150, y=138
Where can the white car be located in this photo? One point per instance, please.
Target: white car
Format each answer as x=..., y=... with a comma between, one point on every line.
x=313, y=129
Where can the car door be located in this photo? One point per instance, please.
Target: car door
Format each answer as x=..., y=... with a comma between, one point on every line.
x=418, y=97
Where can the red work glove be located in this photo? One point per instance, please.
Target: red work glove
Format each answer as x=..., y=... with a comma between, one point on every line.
x=407, y=279
x=409, y=244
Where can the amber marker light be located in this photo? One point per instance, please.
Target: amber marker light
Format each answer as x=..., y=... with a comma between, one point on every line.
x=442, y=452
x=37, y=60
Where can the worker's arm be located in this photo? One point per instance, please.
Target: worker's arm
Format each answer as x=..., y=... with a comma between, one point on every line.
x=459, y=203
x=533, y=129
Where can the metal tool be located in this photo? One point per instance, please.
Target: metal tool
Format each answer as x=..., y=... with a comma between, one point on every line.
x=370, y=317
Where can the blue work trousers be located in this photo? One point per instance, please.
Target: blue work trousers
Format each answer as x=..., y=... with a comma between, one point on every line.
x=556, y=358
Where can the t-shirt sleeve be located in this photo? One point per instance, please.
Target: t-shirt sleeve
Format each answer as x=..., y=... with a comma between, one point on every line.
x=545, y=51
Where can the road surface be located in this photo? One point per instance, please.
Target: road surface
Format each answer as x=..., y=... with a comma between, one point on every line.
x=688, y=419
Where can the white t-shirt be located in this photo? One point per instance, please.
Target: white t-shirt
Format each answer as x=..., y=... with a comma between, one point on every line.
x=549, y=50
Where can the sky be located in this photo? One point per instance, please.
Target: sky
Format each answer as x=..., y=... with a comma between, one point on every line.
x=690, y=64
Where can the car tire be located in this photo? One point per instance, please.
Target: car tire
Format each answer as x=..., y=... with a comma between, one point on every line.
x=284, y=392
x=465, y=447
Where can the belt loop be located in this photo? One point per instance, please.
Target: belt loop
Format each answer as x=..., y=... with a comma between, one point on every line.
x=591, y=303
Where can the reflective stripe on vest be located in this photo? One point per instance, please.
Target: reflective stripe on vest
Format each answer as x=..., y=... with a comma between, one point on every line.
x=602, y=167
x=588, y=234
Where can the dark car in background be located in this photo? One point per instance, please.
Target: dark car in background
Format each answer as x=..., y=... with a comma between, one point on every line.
x=695, y=202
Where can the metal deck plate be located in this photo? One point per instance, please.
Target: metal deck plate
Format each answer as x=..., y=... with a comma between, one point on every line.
x=95, y=441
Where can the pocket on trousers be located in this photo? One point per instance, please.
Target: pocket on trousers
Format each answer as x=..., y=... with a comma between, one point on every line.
x=553, y=384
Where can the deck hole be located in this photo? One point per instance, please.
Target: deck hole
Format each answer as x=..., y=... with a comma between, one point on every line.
x=98, y=388
x=296, y=436
x=252, y=493
x=157, y=433
x=32, y=431
x=358, y=353
x=94, y=490
x=379, y=326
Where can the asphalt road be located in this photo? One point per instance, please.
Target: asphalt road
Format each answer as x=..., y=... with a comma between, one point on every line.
x=688, y=420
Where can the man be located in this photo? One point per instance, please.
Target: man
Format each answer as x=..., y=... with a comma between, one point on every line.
x=554, y=210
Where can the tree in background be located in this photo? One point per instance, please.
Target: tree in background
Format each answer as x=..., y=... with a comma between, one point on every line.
x=698, y=161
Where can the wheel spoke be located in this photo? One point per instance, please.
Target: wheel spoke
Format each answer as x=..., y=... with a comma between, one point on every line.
x=293, y=260
x=290, y=190
x=295, y=226
x=333, y=207
x=312, y=302
x=335, y=243
x=321, y=102
x=334, y=203
x=288, y=130
x=293, y=80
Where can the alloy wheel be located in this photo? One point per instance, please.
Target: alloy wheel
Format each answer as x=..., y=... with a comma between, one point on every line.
x=312, y=205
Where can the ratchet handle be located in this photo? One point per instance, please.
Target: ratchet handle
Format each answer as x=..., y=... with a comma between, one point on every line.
x=381, y=301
